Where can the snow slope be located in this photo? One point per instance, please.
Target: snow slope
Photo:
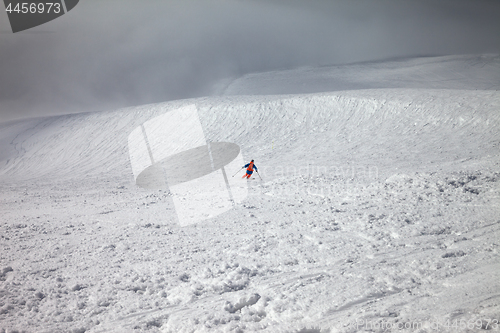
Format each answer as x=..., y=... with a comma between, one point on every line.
x=378, y=208
x=446, y=72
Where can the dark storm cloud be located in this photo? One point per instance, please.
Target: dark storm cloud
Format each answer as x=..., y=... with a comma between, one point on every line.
x=109, y=54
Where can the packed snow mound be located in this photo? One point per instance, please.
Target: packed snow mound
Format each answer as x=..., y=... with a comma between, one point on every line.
x=409, y=120
x=449, y=72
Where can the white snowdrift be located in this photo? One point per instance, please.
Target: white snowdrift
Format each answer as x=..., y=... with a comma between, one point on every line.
x=378, y=207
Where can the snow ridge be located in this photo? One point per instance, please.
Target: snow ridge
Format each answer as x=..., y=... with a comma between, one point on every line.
x=90, y=144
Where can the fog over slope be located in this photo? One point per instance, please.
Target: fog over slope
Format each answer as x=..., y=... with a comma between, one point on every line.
x=449, y=72
x=108, y=54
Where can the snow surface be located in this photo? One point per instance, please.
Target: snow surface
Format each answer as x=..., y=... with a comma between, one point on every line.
x=449, y=72
x=377, y=208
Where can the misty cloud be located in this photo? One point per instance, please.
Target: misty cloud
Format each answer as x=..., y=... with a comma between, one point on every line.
x=115, y=53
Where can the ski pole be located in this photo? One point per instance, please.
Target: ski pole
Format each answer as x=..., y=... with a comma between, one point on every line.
x=259, y=175
x=238, y=171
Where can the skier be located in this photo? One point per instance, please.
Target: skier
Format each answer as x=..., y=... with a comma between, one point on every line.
x=250, y=167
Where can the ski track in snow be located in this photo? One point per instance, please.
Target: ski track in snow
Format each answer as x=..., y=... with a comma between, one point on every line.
x=375, y=206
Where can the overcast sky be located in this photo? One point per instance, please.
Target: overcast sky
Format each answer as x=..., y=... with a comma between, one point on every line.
x=107, y=54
